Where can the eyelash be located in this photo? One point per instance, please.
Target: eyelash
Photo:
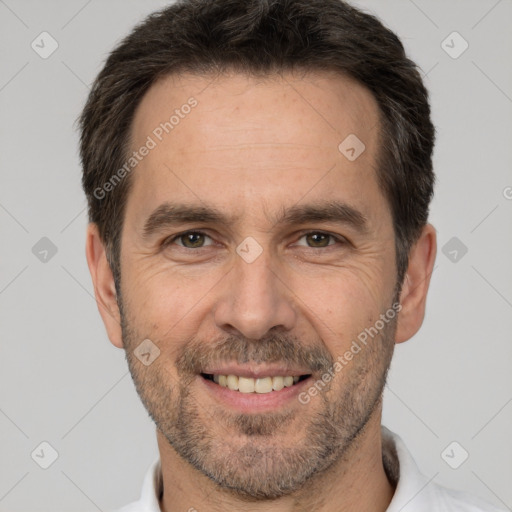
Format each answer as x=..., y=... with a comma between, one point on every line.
x=338, y=238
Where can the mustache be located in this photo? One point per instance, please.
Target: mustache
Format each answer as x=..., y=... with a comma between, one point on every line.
x=196, y=355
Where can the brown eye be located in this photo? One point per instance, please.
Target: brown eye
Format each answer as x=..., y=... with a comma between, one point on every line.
x=318, y=239
x=190, y=240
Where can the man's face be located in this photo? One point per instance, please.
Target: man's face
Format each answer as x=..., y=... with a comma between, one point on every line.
x=281, y=253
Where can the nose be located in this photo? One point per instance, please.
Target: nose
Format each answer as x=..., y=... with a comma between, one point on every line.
x=254, y=300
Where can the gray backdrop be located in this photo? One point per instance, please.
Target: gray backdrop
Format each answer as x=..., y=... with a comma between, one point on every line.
x=63, y=384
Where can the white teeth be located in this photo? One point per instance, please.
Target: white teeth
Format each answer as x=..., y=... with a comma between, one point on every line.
x=277, y=383
x=232, y=382
x=245, y=385
x=261, y=385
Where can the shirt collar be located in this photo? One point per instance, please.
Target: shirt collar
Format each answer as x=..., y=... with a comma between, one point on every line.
x=152, y=489
x=401, y=470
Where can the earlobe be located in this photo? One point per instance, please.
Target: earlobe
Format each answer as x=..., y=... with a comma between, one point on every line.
x=104, y=285
x=413, y=296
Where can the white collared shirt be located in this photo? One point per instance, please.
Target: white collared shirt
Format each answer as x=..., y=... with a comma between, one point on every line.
x=414, y=492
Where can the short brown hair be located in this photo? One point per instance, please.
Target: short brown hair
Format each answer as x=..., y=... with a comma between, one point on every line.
x=262, y=36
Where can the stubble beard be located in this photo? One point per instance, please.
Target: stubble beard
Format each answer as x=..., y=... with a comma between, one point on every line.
x=241, y=453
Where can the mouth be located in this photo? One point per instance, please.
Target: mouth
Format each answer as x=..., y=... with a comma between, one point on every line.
x=255, y=385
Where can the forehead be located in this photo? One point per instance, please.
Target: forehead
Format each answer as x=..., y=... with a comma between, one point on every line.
x=244, y=141
x=328, y=104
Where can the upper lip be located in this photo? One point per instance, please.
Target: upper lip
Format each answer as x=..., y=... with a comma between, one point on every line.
x=255, y=371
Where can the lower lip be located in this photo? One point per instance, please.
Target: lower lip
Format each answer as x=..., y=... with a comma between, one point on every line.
x=254, y=402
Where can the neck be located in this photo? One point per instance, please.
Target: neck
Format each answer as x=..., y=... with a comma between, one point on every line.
x=358, y=482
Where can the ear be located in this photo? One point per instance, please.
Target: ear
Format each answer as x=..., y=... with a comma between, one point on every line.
x=104, y=285
x=413, y=297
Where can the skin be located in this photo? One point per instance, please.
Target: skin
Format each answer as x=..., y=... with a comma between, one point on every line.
x=251, y=148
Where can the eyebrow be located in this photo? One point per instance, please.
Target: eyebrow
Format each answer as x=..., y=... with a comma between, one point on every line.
x=173, y=214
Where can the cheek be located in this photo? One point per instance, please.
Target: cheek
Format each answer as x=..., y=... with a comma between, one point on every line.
x=347, y=301
x=159, y=301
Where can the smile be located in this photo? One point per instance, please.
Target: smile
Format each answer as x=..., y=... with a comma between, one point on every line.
x=261, y=385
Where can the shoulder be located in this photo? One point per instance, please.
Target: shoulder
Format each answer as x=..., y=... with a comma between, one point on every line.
x=414, y=492
x=449, y=500
x=151, y=490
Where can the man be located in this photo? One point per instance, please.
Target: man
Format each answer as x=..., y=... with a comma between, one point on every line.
x=259, y=176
